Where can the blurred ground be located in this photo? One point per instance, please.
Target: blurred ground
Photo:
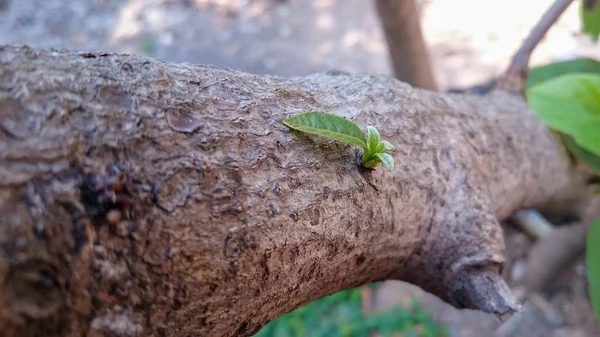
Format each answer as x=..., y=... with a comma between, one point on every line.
x=562, y=309
x=470, y=41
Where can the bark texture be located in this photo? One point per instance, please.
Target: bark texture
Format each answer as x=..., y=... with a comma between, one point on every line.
x=401, y=25
x=141, y=198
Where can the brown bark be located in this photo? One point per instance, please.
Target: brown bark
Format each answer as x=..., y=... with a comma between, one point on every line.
x=401, y=25
x=154, y=199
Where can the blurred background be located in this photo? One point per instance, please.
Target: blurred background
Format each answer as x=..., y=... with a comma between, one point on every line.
x=469, y=41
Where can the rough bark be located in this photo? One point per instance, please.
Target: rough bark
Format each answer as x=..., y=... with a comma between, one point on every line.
x=409, y=56
x=154, y=199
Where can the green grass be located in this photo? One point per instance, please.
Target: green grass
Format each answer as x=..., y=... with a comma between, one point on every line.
x=340, y=315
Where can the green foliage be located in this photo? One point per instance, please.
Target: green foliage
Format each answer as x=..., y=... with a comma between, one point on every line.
x=384, y=158
x=570, y=104
x=590, y=17
x=329, y=126
x=566, y=95
x=550, y=71
x=593, y=265
x=343, y=130
x=374, y=138
x=340, y=315
x=589, y=159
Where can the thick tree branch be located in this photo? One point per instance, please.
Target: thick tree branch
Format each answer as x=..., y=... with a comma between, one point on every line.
x=146, y=198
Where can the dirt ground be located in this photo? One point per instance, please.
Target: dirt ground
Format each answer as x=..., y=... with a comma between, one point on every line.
x=470, y=41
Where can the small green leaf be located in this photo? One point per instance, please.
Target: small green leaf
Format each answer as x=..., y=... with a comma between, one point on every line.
x=570, y=104
x=329, y=126
x=590, y=17
x=549, y=71
x=374, y=138
x=372, y=163
x=387, y=146
x=593, y=265
x=386, y=159
x=384, y=146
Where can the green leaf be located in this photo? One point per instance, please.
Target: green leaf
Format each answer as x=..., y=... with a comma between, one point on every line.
x=549, y=71
x=387, y=146
x=570, y=104
x=593, y=265
x=591, y=160
x=374, y=138
x=384, y=146
x=386, y=159
x=329, y=126
x=590, y=17
x=371, y=163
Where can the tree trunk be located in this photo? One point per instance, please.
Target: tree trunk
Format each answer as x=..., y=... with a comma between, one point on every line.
x=153, y=199
x=400, y=20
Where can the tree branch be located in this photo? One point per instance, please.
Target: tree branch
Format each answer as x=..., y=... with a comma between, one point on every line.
x=515, y=77
x=146, y=198
x=401, y=24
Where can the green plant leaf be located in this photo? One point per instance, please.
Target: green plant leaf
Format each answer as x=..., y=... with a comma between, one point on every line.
x=374, y=138
x=329, y=126
x=384, y=146
x=570, y=104
x=549, y=71
x=590, y=17
x=370, y=163
x=592, y=260
x=589, y=159
x=387, y=146
x=386, y=159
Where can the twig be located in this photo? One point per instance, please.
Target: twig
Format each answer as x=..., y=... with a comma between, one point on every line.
x=533, y=223
x=553, y=254
x=366, y=300
x=516, y=75
x=408, y=51
x=551, y=314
